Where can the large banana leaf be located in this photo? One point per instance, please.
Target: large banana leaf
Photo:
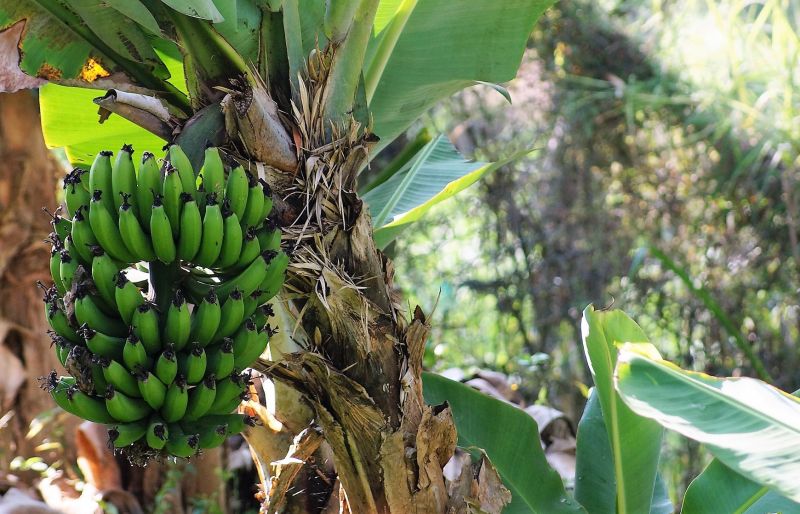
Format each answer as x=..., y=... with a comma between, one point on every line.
x=595, y=486
x=80, y=41
x=634, y=440
x=438, y=48
x=437, y=172
x=748, y=425
x=69, y=120
x=510, y=438
x=720, y=489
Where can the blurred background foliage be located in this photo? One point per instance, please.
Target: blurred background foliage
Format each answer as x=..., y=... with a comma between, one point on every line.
x=664, y=123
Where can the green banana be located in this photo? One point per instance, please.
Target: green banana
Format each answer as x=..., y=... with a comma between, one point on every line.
x=213, y=173
x=249, y=279
x=201, y=398
x=127, y=297
x=88, y=312
x=181, y=444
x=99, y=382
x=157, y=434
x=255, y=204
x=267, y=204
x=136, y=241
x=75, y=193
x=176, y=400
x=211, y=437
x=235, y=422
x=90, y=408
x=231, y=315
x=63, y=346
x=85, y=406
x=61, y=226
x=60, y=389
x=201, y=196
x=180, y=161
x=273, y=282
x=67, y=269
x=231, y=240
x=148, y=184
x=125, y=408
x=191, y=229
x=236, y=190
x=100, y=179
x=205, y=319
x=178, y=324
x=104, y=272
x=125, y=434
x=220, y=359
x=55, y=270
x=102, y=344
x=248, y=344
x=230, y=392
x=193, y=365
x=144, y=324
x=251, y=248
x=106, y=230
x=213, y=230
x=123, y=176
x=269, y=237
x=82, y=235
x=262, y=314
x=153, y=390
x=161, y=232
x=118, y=376
x=59, y=323
x=172, y=199
x=167, y=365
x=133, y=353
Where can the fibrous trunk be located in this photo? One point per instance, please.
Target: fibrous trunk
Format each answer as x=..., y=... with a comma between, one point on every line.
x=358, y=357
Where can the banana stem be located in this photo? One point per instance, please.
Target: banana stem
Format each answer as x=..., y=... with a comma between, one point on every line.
x=161, y=281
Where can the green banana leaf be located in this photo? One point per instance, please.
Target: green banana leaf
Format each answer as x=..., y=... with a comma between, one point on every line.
x=436, y=173
x=241, y=26
x=720, y=489
x=70, y=120
x=203, y=9
x=47, y=48
x=136, y=11
x=748, y=425
x=426, y=50
x=635, y=441
x=82, y=40
x=595, y=485
x=510, y=438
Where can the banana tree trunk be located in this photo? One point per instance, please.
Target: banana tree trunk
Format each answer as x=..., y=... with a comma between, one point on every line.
x=358, y=363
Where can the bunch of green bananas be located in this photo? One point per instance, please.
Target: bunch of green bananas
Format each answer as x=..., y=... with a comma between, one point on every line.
x=161, y=360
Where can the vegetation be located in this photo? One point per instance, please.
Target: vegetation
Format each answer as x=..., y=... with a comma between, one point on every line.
x=637, y=168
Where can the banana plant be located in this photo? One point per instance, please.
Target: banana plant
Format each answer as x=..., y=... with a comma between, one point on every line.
x=749, y=426
x=303, y=94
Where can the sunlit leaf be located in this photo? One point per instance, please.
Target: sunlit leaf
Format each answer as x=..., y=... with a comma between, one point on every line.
x=70, y=120
x=635, y=441
x=510, y=438
x=750, y=426
x=720, y=489
x=443, y=47
x=437, y=172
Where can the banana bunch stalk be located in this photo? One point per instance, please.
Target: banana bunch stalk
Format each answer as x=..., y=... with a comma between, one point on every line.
x=160, y=279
